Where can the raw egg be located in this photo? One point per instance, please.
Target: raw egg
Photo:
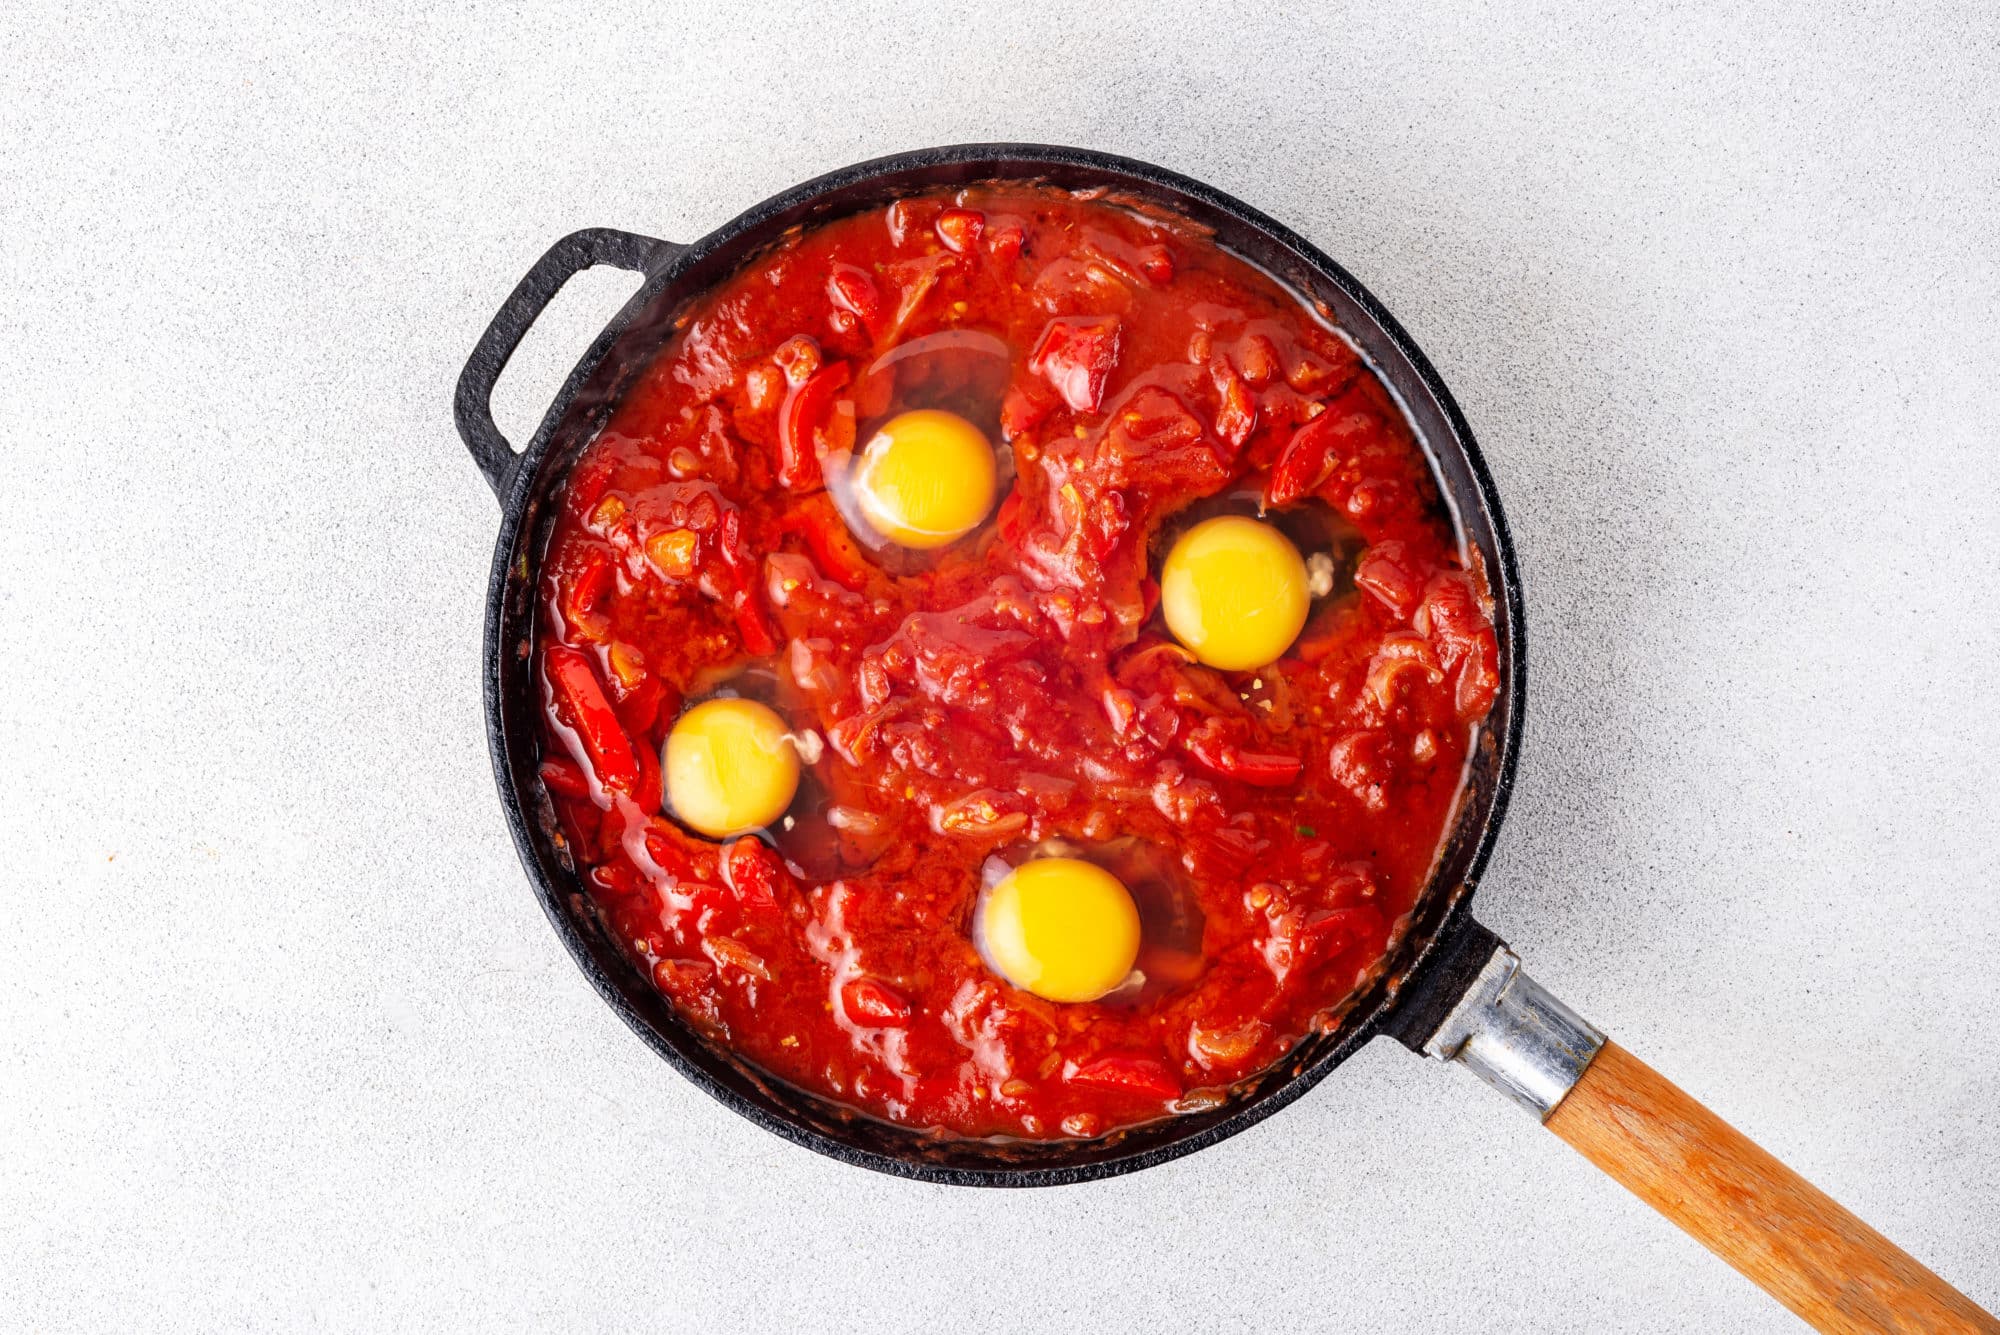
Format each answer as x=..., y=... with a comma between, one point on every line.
x=1234, y=591
x=1062, y=928
x=925, y=479
x=730, y=767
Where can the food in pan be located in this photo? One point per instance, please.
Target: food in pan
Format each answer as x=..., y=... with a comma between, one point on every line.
x=1007, y=667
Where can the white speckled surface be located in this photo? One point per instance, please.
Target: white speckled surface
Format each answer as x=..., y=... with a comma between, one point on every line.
x=284, y=1039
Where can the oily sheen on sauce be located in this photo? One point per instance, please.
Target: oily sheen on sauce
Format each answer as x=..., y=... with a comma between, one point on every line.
x=962, y=702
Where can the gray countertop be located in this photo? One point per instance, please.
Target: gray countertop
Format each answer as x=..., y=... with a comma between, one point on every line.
x=284, y=1039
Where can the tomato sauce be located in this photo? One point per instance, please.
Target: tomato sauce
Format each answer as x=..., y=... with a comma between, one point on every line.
x=1016, y=691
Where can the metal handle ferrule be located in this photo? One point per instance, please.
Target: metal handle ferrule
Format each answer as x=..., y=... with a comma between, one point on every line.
x=1516, y=1036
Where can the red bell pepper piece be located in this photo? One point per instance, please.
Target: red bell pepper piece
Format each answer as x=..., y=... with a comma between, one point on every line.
x=833, y=548
x=1263, y=768
x=1008, y=519
x=1218, y=755
x=576, y=687
x=590, y=585
x=801, y=423
x=750, y=625
x=729, y=544
x=1076, y=354
x=565, y=777
x=588, y=483
x=1132, y=1075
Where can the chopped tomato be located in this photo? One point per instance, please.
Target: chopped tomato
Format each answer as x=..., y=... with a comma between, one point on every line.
x=1463, y=633
x=801, y=426
x=1236, y=414
x=1005, y=243
x=871, y=1002
x=1325, y=929
x=960, y=228
x=1076, y=355
x=1403, y=654
x=1211, y=749
x=754, y=873
x=690, y=985
x=1314, y=452
x=1357, y=762
x=853, y=290
x=1389, y=572
x=1022, y=410
x=1258, y=359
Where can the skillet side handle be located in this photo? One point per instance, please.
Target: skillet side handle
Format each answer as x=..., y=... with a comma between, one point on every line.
x=472, y=405
x=1782, y=1233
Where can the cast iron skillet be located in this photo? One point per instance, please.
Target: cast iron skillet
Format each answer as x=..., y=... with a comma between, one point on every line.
x=1437, y=955
x=1448, y=988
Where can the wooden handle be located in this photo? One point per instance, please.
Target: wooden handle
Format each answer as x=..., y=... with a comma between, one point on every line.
x=1789, y=1237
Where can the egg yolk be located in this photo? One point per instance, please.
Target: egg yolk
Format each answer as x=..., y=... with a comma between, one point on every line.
x=1234, y=592
x=925, y=479
x=730, y=767
x=1061, y=928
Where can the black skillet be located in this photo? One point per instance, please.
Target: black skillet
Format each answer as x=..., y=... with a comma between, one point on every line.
x=1449, y=989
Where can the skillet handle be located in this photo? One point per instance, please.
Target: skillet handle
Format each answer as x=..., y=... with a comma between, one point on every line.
x=1782, y=1233
x=473, y=403
x=1786, y=1235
